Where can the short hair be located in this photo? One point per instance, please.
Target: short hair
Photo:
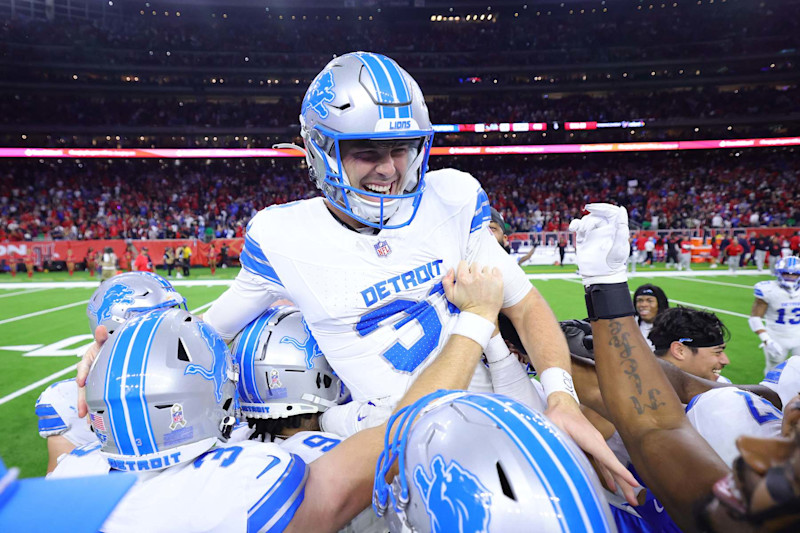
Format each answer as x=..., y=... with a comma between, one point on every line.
x=648, y=289
x=497, y=218
x=692, y=327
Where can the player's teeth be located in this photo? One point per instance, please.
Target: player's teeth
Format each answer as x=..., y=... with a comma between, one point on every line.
x=378, y=188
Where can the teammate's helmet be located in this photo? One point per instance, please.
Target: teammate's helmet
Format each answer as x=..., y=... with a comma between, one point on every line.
x=366, y=96
x=283, y=371
x=125, y=295
x=480, y=462
x=161, y=391
x=788, y=272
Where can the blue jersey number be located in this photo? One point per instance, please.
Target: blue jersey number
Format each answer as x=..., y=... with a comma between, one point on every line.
x=326, y=444
x=763, y=412
x=794, y=318
x=226, y=456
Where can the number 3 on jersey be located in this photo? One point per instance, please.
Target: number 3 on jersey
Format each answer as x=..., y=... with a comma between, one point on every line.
x=403, y=311
x=794, y=316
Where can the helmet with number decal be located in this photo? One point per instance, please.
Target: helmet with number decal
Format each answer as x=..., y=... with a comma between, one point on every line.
x=521, y=470
x=366, y=96
x=788, y=273
x=125, y=295
x=161, y=391
x=283, y=371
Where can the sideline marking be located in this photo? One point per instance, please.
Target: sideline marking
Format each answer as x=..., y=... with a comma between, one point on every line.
x=43, y=312
x=22, y=292
x=681, y=278
x=67, y=370
x=690, y=304
x=42, y=381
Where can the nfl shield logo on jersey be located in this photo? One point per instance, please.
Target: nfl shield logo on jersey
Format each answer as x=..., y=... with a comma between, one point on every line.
x=382, y=248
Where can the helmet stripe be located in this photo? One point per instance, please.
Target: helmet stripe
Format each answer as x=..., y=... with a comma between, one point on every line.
x=124, y=386
x=385, y=91
x=401, y=89
x=246, y=351
x=555, y=465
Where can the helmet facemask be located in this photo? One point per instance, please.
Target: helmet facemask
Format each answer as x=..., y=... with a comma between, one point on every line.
x=788, y=273
x=366, y=97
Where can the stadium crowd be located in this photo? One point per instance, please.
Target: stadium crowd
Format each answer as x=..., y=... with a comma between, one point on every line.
x=135, y=199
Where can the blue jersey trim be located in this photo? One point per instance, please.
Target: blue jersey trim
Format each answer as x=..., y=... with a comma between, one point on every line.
x=692, y=402
x=774, y=375
x=483, y=212
x=253, y=260
x=265, y=509
x=51, y=424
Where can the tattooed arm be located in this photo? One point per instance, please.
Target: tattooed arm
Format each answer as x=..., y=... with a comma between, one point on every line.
x=674, y=461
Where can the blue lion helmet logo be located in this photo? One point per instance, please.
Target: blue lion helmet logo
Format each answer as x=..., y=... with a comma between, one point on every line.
x=319, y=94
x=219, y=370
x=309, y=346
x=455, y=498
x=116, y=294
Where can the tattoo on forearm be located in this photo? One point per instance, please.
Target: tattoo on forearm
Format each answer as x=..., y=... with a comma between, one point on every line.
x=621, y=341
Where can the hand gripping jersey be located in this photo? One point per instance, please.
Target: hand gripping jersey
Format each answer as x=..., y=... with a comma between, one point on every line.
x=723, y=415
x=374, y=303
x=783, y=313
x=245, y=486
x=57, y=410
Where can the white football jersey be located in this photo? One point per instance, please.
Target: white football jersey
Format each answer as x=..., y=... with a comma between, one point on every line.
x=57, y=409
x=783, y=312
x=785, y=379
x=374, y=303
x=243, y=486
x=723, y=415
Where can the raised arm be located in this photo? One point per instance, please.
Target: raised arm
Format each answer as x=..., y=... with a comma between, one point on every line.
x=674, y=461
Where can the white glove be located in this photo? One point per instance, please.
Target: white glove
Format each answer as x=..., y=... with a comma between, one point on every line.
x=602, y=244
x=772, y=350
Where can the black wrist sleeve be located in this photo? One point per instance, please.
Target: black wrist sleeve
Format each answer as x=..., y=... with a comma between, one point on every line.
x=608, y=300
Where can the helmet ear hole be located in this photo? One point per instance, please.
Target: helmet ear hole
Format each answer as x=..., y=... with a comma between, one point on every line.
x=326, y=380
x=183, y=355
x=506, y=486
x=227, y=404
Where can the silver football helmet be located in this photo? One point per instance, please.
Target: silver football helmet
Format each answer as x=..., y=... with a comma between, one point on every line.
x=484, y=462
x=125, y=295
x=366, y=96
x=161, y=391
x=283, y=371
x=787, y=271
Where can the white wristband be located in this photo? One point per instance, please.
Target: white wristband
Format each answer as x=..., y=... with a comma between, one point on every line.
x=496, y=350
x=556, y=379
x=474, y=327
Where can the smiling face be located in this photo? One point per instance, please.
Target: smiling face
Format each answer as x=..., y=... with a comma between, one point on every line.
x=706, y=362
x=376, y=166
x=763, y=491
x=647, y=307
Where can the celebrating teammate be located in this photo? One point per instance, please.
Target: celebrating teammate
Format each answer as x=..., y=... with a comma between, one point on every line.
x=695, y=485
x=778, y=302
x=383, y=236
x=169, y=429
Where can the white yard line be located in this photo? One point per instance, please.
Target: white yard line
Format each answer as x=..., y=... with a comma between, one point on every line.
x=690, y=304
x=42, y=381
x=43, y=312
x=67, y=370
x=681, y=278
x=21, y=292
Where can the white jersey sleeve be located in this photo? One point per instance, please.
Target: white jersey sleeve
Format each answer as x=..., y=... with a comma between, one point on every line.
x=482, y=246
x=723, y=415
x=83, y=461
x=247, y=486
x=247, y=297
x=310, y=445
x=57, y=410
x=785, y=379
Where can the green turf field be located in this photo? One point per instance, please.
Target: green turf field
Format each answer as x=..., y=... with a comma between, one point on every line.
x=43, y=319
